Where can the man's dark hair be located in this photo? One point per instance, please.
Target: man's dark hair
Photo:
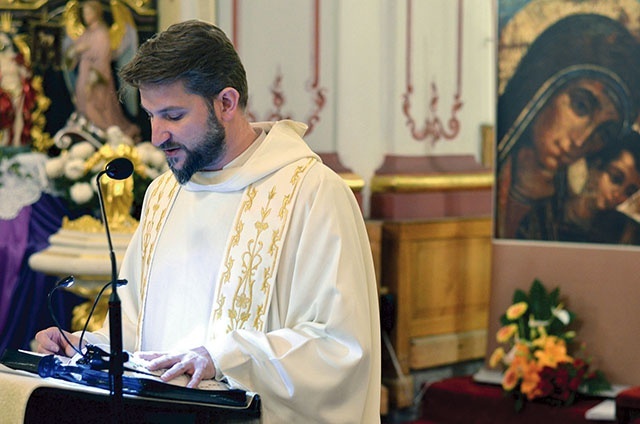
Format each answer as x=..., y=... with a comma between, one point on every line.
x=197, y=53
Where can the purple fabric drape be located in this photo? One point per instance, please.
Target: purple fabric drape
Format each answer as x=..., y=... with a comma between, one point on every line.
x=13, y=242
x=26, y=311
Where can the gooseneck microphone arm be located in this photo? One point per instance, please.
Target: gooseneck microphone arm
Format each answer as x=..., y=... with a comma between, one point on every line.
x=117, y=169
x=65, y=282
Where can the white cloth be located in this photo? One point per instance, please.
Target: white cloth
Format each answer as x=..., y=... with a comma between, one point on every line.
x=22, y=181
x=319, y=357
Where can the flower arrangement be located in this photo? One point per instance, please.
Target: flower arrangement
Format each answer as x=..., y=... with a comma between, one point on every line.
x=73, y=172
x=536, y=363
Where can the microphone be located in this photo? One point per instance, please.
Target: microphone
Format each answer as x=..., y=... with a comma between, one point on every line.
x=68, y=282
x=92, y=352
x=91, y=348
x=117, y=169
x=64, y=282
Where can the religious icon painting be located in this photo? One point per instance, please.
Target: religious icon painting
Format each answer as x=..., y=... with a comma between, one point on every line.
x=568, y=150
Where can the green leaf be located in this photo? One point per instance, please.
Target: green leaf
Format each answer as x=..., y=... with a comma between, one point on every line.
x=555, y=327
x=539, y=301
x=520, y=296
x=597, y=383
x=554, y=296
x=519, y=404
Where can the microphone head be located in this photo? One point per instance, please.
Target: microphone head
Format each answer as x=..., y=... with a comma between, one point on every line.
x=65, y=282
x=119, y=169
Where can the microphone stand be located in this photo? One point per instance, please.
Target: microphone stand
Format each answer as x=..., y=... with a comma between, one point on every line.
x=117, y=357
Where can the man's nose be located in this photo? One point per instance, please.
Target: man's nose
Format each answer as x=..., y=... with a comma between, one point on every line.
x=159, y=134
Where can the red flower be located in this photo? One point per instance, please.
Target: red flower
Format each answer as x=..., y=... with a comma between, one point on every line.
x=563, y=395
x=562, y=378
x=545, y=387
x=574, y=383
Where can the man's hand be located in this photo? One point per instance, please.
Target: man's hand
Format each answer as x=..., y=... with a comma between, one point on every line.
x=51, y=341
x=196, y=362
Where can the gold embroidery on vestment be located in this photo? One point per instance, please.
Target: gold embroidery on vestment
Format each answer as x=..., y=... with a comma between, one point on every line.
x=160, y=200
x=243, y=303
x=251, y=254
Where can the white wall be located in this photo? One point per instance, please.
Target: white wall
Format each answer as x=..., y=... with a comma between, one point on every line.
x=362, y=62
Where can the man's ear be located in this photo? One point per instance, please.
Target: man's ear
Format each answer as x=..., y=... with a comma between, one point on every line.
x=228, y=100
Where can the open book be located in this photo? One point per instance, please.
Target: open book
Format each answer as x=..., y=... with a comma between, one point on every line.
x=138, y=368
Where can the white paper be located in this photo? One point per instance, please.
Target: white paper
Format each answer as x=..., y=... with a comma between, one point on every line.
x=604, y=411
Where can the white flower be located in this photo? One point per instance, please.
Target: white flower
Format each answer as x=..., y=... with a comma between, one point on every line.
x=64, y=142
x=81, y=193
x=151, y=155
x=54, y=167
x=82, y=150
x=144, y=149
x=74, y=169
x=159, y=161
x=94, y=183
x=537, y=323
x=562, y=315
x=115, y=136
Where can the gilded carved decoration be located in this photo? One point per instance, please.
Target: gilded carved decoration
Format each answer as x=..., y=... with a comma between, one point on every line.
x=37, y=29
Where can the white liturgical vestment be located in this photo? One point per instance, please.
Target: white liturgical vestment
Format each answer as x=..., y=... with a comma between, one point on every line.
x=267, y=264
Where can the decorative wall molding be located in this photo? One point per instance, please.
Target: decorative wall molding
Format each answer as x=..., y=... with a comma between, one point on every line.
x=316, y=90
x=432, y=126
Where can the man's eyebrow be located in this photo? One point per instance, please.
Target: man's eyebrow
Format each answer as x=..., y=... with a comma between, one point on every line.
x=165, y=110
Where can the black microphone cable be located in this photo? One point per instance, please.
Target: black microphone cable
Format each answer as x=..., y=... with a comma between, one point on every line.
x=86, y=357
x=92, y=350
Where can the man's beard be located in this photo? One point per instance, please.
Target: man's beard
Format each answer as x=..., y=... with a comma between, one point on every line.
x=206, y=153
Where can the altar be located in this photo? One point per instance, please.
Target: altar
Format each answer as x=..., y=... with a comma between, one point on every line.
x=461, y=400
x=43, y=239
x=29, y=214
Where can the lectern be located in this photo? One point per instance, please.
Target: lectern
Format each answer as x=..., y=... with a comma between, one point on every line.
x=27, y=397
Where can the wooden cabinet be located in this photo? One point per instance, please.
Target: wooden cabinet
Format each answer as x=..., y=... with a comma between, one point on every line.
x=438, y=272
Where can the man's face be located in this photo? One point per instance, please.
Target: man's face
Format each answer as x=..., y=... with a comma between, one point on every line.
x=185, y=128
